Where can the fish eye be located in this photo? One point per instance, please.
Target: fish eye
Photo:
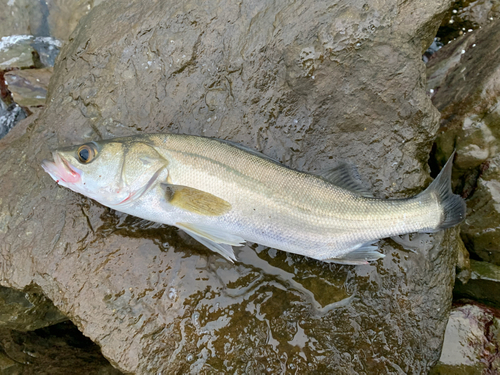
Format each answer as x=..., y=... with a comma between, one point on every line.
x=86, y=153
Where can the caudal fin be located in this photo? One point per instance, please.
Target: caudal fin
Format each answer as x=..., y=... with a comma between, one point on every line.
x=453, y=205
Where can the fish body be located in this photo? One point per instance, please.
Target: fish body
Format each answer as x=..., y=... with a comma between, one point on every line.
x=224, y=194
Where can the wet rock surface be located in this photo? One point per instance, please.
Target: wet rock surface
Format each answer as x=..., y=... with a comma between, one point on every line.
x=27, y=310
x=463, y=81
x=56, y=18
x=304, y=83
x=29, y=86
x=54, y=350
x=10, y=115
x=483, y=285
x=472, y=341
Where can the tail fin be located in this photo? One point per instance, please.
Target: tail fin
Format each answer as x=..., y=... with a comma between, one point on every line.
x=453, y=205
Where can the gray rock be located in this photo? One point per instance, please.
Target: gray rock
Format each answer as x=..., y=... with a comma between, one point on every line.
x=483, y=285
x=16, y=52
x=304, y=83
x=28, y=86
x=9, y=117
x=56, y=18
x=471, y=342
x=26, y=51
x=464, y=79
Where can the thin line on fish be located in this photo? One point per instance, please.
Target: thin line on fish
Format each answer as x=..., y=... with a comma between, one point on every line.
x=224, y=194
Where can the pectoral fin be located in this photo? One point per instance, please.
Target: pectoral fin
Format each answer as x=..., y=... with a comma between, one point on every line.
x=362, y=255
x=196, y=201
x=213, y=238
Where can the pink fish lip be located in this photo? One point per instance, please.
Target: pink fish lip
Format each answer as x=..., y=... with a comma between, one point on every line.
x=61, y=170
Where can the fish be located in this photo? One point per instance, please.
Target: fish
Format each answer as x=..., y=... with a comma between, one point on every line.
x=224, y=194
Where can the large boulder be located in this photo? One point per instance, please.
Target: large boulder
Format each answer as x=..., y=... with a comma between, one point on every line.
x=305, y=83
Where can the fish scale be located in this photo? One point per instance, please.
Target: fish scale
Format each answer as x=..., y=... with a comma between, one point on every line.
x=224, y=194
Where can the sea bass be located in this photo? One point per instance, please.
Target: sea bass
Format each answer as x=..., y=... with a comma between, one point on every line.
x=224, y=194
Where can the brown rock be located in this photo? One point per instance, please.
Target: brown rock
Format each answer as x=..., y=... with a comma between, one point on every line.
x=304, y=83
x=29, y=86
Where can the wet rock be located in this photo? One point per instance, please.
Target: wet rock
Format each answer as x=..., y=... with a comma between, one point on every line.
x=483, y=285
x=472, y=341
x=480, y=230
x=463, y=263
x=56, y=18
x=56, y=350
x=25, y=51
x=47, y=49
x=28, y=86
x=16, y=52
x=9, y=117
x=304, y=83
x=26, y=311
x=464, y=84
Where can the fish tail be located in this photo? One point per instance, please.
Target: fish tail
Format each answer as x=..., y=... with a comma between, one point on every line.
x=453, y=206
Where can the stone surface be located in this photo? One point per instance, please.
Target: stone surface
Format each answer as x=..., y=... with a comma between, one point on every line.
x=464, y=77
x=16, y=52
x=10, y=115
x=305, y=83
x=56, y=18
x=28, y=86
x=25, y=51
x=472, y=342
x=483, y=285
x=56, y=350
x=26, y=311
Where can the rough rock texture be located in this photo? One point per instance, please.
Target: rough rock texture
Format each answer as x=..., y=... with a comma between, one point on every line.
x=29, y=86
x=465, y=79
x=26, y=311
x=10, y=115
x=483, y=285
x=54, y=350
x=472, y=342
x=304, y=83
x=57, y=18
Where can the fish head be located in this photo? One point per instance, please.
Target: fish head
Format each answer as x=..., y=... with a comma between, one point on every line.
x=114, y=173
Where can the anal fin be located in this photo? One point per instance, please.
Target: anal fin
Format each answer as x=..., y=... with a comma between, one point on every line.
x=362, y=255
x=213, y=238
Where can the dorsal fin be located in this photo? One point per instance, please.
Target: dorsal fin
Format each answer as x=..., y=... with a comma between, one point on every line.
x=346, y=176
x=251, y=151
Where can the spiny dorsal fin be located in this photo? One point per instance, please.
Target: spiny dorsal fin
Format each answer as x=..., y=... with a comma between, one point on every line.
x=347, y=177
x=196, y=201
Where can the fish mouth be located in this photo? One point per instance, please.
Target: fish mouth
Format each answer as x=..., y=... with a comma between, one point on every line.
x=60, y=170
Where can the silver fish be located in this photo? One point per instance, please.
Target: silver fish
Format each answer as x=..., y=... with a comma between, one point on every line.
x=224, y=194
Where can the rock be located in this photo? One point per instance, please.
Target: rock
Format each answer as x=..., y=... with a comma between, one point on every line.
x=464, y=79
x=471, y=342
x=25, y=51
x=480, y=229
x=26, y=311
x=483, y=286
x=16, y=52
x=28, y=86
x=9, y=117
x=465, y=17
x=463, y=263
x=58, y=350
x=56, y=18
x=47, y=49
x=305, y=83
x=14, y=19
